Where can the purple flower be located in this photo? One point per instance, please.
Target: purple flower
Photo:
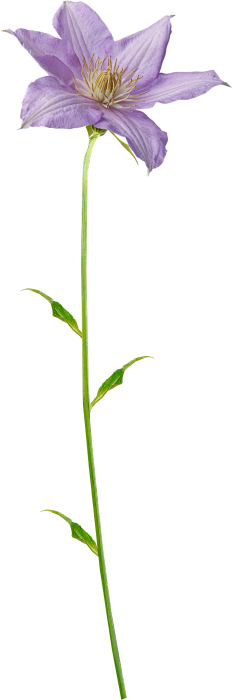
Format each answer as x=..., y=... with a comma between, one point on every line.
x=96, y=80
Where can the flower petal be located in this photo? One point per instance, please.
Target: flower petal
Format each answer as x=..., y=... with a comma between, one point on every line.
x=47, y=103
x=53, y=55
x=144, y=137
x=143, y=51
x=180, y=86
x=82, y=27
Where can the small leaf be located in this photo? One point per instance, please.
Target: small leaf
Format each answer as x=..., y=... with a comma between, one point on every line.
x=128, y=364
x=125, y=146
x=79, y=534
x=89, y=130
x=58, y=311
x=77, y=531
x=47, y=510
x=115, y=380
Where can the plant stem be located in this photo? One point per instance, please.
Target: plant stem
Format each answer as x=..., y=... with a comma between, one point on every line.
x=86, y=410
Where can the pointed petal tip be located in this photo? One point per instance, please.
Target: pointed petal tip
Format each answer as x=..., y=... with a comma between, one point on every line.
x=227, y=84
x=8, y=31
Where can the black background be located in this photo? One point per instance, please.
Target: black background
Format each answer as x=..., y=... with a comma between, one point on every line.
x=155, y=247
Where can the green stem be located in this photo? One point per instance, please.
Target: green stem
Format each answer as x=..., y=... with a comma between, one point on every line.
x=86, y=410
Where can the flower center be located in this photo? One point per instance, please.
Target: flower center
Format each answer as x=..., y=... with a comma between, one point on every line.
x=107, y=85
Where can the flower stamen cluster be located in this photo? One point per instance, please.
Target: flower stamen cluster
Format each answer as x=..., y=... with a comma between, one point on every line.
x=106, y=86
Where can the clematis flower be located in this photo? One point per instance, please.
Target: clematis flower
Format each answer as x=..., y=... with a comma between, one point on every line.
x=96, y=80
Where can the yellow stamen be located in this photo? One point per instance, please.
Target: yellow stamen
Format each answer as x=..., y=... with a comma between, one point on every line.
x=106, y=85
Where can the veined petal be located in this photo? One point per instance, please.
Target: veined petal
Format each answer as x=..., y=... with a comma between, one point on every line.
x=82, y=27
x=47, y=103
x=144, y=137
x=54, y=55
x=144, y=51
x=180, y=86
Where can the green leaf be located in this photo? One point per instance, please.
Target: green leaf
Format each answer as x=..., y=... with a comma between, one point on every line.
x=89, y=130
x=115, y=380
x=128, y=364
x=125, y=146
x=77, y=531
x=58, y=311
x=79, y=534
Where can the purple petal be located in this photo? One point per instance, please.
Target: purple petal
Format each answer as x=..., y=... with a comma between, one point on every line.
x=144, y=137
x=83, y=28
x=47, y=103
x=144, y=51
x=53, y=55
x=180, y=86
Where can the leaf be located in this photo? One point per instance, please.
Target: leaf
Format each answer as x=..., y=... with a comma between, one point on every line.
x=115, y=380
x=125, y=146
x=77, y=531
x=128, y=364
x=79, y=534
x=89, y=130
x=58, y=311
